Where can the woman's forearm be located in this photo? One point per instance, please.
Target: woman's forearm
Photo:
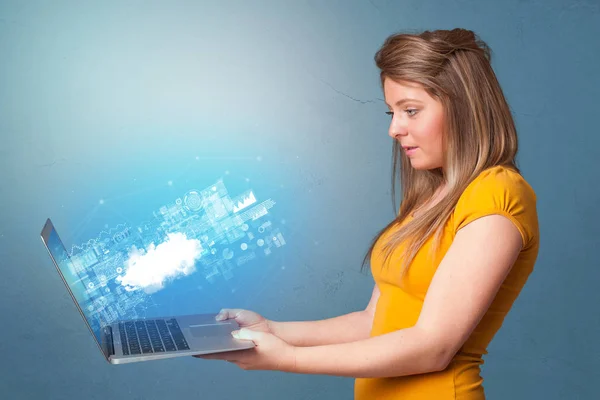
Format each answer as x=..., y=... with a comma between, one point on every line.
x=404, y=352
x=343, y=329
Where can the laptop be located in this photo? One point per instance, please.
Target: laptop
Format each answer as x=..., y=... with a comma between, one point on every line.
x=136, y=340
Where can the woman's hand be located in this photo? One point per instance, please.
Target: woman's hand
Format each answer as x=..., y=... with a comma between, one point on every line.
x=270, y=352
x=245, y=319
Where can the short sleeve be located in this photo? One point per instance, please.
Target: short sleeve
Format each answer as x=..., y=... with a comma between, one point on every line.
x=502, y=191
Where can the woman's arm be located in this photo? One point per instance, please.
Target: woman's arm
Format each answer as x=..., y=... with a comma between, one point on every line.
x=345, y=328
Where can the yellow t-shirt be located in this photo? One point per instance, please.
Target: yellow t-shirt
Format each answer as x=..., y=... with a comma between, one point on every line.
x=497, y=190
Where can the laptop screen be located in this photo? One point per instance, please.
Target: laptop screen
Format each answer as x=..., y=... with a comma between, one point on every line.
x=77, y=282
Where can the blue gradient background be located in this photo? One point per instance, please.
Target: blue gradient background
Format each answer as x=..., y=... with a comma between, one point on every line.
x=113, y=100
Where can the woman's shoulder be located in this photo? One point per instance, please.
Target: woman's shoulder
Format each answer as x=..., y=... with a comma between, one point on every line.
x=499, y=190
x=503, y=179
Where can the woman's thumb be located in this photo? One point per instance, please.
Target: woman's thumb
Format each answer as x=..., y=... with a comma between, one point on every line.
x=245, y=333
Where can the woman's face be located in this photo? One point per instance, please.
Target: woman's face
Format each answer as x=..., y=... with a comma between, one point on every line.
x=417, y=121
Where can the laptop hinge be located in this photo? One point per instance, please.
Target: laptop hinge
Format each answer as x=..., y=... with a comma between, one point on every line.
x=109, y=341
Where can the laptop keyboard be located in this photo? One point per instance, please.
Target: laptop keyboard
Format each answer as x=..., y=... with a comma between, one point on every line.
x=151, y=336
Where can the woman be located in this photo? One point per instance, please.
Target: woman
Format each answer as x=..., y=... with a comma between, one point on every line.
x=448, y=268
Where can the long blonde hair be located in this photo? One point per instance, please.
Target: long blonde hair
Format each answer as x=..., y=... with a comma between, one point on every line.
x=454, y=67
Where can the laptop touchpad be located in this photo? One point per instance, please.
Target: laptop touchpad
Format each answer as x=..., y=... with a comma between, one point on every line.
x=209, y=330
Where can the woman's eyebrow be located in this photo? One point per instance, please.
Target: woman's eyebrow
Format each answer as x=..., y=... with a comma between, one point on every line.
x=404, y=100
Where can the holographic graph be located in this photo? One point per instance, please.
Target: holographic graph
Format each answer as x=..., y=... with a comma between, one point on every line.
x=202, y=232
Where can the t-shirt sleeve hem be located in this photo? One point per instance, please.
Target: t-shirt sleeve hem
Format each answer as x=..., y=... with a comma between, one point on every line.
x=479, y=214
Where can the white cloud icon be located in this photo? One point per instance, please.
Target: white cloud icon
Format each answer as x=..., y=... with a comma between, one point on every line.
x=173, y=258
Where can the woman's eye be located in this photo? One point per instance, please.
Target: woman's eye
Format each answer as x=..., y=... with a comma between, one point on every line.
x=411, y=111
x=390, y=113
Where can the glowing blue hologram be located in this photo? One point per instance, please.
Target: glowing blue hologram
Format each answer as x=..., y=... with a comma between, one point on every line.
x=227, y=254
x=150, y=270
x=244, y=200
x=278, y=240
x=94, y=242
x=192, y=200
x=226, y=271
x=244, y=259
x=124, y=265
x=261, y=229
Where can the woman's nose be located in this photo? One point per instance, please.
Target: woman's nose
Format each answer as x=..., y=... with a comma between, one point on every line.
x=397, y=128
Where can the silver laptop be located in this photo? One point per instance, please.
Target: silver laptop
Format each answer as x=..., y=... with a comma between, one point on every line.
x=141, y=339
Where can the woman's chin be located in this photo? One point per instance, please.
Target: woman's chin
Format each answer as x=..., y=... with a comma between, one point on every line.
x=418, y=164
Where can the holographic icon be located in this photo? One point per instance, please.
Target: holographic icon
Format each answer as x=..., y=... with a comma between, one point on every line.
x=261, y=229
x=192, y=200
x=227, y=254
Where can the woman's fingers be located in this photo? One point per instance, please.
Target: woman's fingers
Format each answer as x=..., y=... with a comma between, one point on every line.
x=232, y=356
x=227, y=313
x=225, y=356
x=241, y=316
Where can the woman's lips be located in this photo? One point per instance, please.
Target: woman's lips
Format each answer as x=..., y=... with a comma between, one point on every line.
x=410, y=150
